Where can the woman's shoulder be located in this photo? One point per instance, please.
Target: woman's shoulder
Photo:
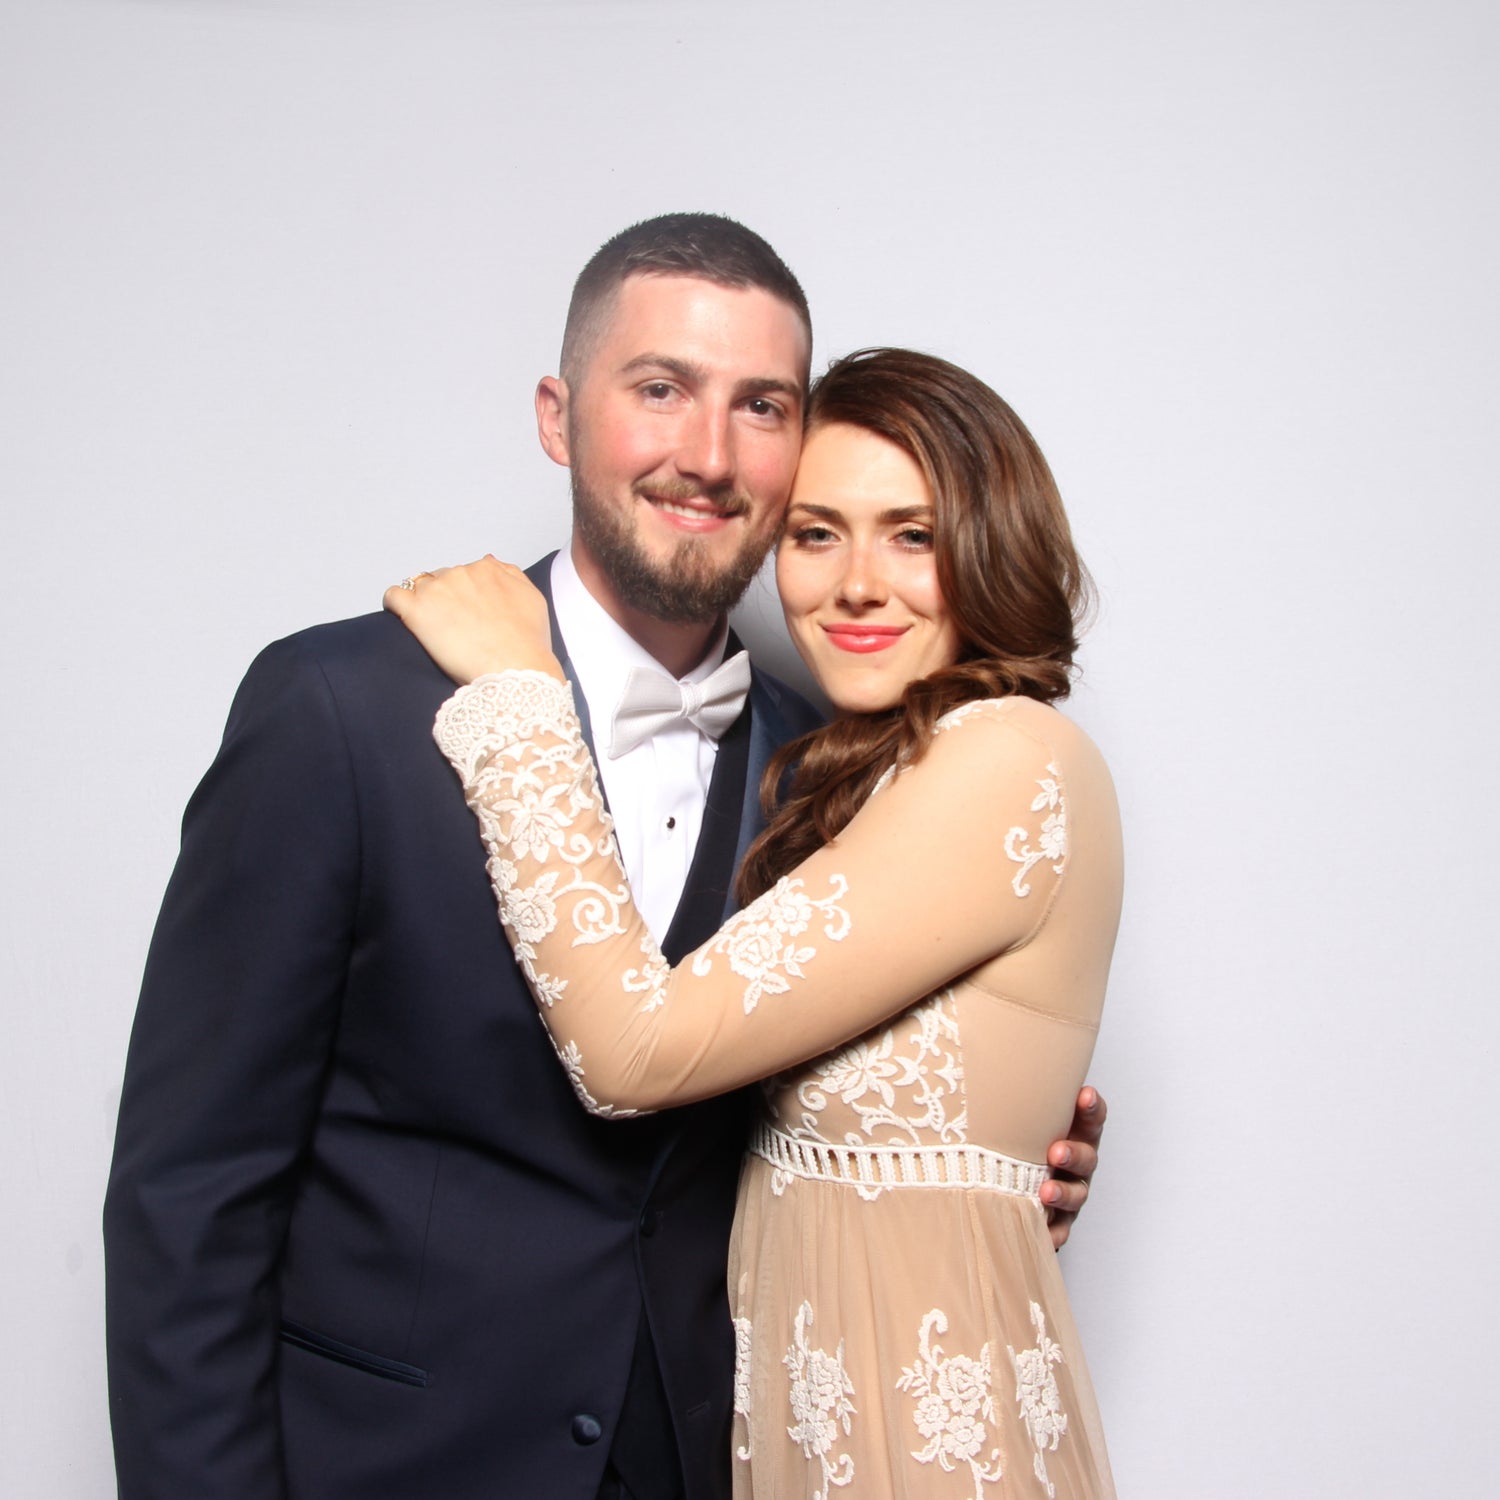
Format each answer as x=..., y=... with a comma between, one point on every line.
x=1027, y=715
x=1052, y=734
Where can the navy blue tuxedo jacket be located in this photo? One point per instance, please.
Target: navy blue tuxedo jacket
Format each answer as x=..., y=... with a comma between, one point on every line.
x=361, y=1239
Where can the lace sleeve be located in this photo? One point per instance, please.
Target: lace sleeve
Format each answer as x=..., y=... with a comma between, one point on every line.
x=902, y=902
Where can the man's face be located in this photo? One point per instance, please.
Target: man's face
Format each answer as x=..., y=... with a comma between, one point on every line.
x=682, y=432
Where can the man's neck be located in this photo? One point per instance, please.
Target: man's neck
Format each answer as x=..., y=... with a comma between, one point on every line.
x=678, y=647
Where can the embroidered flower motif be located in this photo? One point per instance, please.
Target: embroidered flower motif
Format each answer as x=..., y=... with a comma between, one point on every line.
x=963, y=1383
x=905, y=1085
x=760, y=942
x=954, y=1402
x=1037, y=1394
x=1053, y=839
x=530, y=910
x=821, y=1406
x=754, y=951
x=742, y=1345
x=862, y=1068
x=537, y=824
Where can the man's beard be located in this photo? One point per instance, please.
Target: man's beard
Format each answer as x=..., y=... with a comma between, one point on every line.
x=685, y=588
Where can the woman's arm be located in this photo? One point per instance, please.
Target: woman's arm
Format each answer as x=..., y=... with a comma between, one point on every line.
x=956, y=860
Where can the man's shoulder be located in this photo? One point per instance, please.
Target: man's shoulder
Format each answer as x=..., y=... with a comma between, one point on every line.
x=371, y=658
x=377, y=640
x=363, y=636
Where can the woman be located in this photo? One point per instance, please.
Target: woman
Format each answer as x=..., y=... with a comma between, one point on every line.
x=920, y=967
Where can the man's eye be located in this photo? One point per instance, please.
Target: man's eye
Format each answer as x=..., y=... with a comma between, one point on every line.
x=658, y=390
x=759, y=406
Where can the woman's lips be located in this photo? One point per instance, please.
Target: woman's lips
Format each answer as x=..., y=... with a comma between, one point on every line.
x=864, y=638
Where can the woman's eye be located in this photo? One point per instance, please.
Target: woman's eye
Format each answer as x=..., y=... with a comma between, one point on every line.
x=918, y=538
x=812, y=536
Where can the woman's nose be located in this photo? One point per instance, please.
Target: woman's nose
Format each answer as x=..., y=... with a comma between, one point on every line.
x=863, y=584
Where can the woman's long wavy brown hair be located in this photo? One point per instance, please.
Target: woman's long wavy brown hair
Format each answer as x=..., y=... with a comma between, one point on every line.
x=1006, y=565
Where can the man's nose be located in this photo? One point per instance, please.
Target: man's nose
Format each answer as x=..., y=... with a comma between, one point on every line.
x=707, y=449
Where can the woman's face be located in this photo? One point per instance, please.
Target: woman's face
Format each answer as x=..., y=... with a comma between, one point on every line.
x=857, y=570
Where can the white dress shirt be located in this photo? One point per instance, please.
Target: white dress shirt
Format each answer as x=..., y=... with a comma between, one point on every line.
x=658, y=790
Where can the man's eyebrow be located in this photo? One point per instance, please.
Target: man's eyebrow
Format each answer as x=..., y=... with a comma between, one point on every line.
x=767, y=385
x=681, y=368
x=693, y=374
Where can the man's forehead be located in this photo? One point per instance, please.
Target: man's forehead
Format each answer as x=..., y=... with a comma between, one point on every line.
x=677, y=300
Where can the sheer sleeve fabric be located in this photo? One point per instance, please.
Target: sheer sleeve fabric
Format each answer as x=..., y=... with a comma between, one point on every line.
x=957, y=859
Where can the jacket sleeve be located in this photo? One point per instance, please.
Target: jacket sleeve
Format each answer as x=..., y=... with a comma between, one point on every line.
x=230, y=1046
x=954, y=861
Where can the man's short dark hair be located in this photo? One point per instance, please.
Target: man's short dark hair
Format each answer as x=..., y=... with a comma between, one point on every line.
x=707, y=246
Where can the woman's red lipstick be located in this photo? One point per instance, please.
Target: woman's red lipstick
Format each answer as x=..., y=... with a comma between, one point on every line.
x=864, y=638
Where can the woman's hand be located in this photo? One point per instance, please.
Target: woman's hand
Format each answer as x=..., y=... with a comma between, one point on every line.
x=483, y=617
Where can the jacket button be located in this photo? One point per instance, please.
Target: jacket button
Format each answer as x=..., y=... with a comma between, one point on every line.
x=586, y=1429
x=649, y=1220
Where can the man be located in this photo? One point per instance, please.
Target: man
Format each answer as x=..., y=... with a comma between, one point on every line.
x=361, y=1239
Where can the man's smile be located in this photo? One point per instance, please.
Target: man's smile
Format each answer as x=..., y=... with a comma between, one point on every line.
x=696, y=512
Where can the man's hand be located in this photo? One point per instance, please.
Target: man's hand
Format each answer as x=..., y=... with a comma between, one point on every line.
x=1073, y=1162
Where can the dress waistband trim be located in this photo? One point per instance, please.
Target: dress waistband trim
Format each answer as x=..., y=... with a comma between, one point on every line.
x=898, y=1166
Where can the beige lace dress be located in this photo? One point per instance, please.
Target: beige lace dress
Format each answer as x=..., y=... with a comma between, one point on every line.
x=922, y=997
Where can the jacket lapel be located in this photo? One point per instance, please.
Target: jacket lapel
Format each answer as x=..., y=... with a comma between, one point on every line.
x=710, y=880
x=540, y=573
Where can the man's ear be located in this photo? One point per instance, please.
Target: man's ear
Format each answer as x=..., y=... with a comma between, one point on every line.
x=552, y=418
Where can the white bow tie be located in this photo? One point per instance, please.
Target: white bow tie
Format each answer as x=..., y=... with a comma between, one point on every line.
x=651, y=701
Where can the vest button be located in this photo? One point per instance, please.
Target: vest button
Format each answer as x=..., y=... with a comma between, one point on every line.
x=586, y=1429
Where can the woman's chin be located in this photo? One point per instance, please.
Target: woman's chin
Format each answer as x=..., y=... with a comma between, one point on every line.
x=847, y=699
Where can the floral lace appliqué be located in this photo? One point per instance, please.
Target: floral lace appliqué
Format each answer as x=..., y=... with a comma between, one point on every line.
x=821, y=1393
x=743, y=1339
x=760, y=943
x=572, y=1061
x=904, y=1084
x=954, y=1402
x=1037, y=1395
x=1052, y=841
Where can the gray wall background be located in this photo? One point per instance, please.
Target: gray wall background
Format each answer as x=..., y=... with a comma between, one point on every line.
x=278, y=279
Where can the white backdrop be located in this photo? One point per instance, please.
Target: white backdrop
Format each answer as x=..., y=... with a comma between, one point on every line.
x=278, y=279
